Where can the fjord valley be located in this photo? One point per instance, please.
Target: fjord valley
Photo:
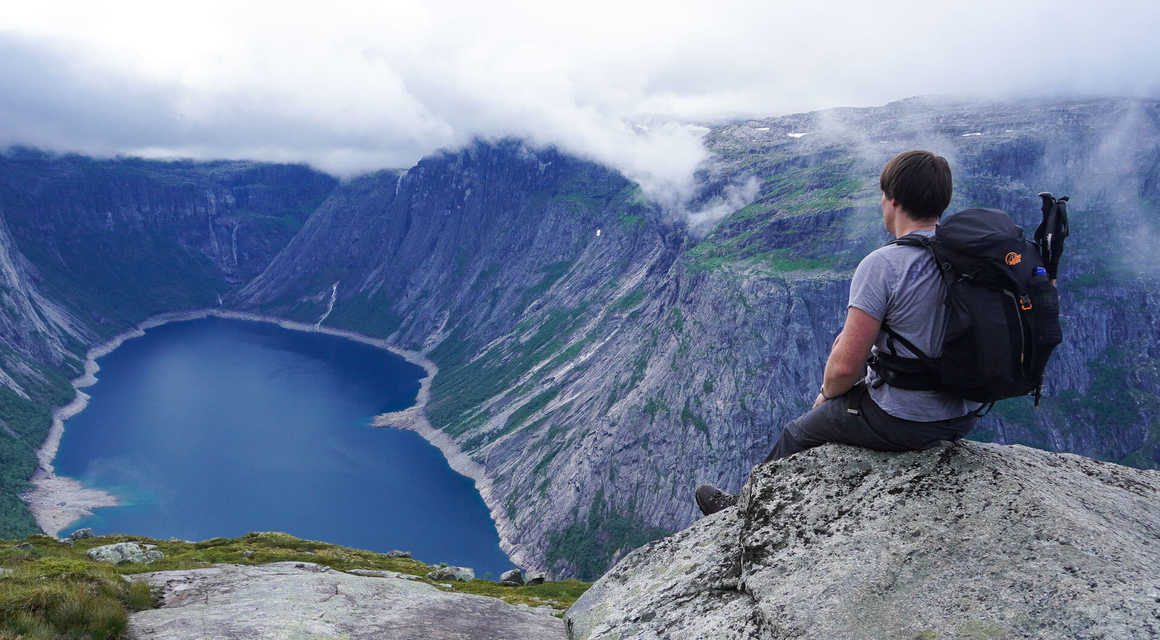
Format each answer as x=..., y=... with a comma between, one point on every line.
x=225, y=389
x=598, y=355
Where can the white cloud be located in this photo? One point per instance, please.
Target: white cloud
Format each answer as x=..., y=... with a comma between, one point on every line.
x=352, y=87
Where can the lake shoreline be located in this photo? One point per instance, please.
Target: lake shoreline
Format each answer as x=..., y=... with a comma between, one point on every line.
x=57, y=501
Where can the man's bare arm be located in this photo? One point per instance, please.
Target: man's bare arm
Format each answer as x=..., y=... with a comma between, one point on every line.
x=847, y=362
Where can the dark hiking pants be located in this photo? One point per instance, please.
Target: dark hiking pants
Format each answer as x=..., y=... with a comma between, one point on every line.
x=855, y=419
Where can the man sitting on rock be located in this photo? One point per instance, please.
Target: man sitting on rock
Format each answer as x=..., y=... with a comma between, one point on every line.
x=901, y=286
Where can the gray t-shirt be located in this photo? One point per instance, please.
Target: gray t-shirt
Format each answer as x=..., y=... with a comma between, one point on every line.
x=901, y=286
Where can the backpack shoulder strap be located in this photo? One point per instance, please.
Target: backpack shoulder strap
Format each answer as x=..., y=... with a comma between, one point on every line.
x=913, y=240
x=922, y=242
x=918, y=353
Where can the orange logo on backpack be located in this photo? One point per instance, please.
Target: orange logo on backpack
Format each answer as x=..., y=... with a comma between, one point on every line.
x=1013, y=259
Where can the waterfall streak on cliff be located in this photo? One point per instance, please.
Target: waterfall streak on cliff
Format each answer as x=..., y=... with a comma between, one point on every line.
x=329, y=306
x=234, y=244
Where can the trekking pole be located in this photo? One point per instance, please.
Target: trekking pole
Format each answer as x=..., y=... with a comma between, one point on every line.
x=1052, y=232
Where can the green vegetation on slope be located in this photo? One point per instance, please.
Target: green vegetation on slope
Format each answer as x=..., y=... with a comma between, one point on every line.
x=463, y=385
x=372, y=315
x=24, y=423
x=55, y=591
x=591, y=543
x=1111, y=402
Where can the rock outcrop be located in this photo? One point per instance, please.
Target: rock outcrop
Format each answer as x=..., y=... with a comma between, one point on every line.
x=124, y=552
x=461, y=574
x=512, y=578
x=966, y=540
x=304, y=600
x=81, y=534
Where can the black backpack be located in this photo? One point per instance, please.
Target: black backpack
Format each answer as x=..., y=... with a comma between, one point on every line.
x=1002, y=319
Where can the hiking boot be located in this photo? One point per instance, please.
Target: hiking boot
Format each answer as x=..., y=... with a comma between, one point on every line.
x=711, y=499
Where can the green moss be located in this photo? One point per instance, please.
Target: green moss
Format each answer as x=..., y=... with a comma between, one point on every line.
x=530, y=408
x=781, y=260
x=629, y=300
x=707, y=256
x=639, y=366
x=569, y=354
x=654, y=406
x=755, y=211
x=1111, y=402
x=26, y=421
x=465, y=382
x=981, y=630
x=372, y=315
x=688, y=417
x=579, y=200
x=552, y=273
x=829, y=198
x=632, y=223
x=547, y=460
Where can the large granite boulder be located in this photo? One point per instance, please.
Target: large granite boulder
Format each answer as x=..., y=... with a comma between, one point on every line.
x=462, y=574
x=80, y=534
x=123, y=552
x=966, y=540
x=305, y=600
x=512, y=578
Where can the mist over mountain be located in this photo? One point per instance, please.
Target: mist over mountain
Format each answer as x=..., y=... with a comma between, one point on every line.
x=600, y=353
x=370, y=86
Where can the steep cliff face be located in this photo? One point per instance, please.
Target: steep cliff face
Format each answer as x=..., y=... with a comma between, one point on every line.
x=38, y=346
x=598, y=379
x=35, y=328
x=461, y=241
x=123, y=239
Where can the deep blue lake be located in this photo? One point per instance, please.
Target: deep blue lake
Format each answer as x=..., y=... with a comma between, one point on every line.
x=221, y=427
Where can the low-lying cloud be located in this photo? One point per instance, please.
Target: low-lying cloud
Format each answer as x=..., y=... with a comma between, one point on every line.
x=351, y=87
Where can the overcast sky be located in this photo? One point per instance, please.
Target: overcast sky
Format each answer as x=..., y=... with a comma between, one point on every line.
x=356, y=86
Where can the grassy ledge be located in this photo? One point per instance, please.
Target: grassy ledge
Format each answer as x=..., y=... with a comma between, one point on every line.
x=51, y=589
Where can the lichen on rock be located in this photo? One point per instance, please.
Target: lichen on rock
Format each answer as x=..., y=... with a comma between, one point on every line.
x=123, y=552
x=964, y=540
x=305, y=600
x=462, y=574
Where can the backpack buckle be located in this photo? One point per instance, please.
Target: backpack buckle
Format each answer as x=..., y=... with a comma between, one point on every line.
x=1025, y=303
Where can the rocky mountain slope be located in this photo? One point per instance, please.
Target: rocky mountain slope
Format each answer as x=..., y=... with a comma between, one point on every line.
x=962, y=541
x=598, y=359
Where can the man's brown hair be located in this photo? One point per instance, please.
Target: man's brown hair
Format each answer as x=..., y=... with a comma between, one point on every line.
x=920, y=181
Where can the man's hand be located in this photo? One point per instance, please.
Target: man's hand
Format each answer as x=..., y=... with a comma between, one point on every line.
x=819, y=400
